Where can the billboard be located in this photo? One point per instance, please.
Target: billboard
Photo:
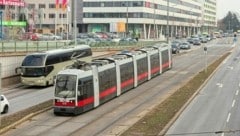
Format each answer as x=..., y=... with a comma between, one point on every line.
x=12, y=2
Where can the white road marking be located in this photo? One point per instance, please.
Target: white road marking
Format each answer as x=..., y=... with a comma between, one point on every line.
x=229, y=116
x=220, y=85
x=233, y=103
x=229, y=67
x=222, y=134
x=237, y=92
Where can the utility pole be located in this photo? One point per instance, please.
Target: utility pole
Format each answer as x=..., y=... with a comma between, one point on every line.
x=167, y=21
x=127, y=20
x=75, y=21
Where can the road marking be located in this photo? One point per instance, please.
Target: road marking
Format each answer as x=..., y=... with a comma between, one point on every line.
x=237, y=92
x=233, y=103
x=229, y=67
x=229, y=116
x=222, y=134
x=220, y=85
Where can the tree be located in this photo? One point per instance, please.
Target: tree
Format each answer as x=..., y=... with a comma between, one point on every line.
x=229, y=23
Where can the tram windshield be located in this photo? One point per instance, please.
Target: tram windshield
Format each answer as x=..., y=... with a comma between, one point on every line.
x=65, y=86
x=34, y=60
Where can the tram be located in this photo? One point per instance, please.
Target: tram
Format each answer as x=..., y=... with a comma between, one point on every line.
x=83, y=87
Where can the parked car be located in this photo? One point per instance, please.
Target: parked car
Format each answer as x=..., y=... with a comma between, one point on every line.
x=196, y=41
x=204, y=40
x=31, y=36
x=50, y=36
x=175, y=48
x=190, y=40
x=185, y=45
x=4, y=104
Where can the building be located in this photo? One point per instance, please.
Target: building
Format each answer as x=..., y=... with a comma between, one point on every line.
x=43, y=15
x=147, y=18
x=209, y=16
x=132, y=18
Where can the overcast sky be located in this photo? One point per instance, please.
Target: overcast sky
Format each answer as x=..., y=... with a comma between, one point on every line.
x=223, y=6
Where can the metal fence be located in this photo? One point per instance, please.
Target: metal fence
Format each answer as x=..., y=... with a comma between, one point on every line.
x=34, y=46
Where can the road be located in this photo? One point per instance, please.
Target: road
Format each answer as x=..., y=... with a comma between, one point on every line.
x=119, y=114
x=215, y=110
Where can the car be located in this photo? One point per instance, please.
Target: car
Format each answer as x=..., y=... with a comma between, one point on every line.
x=4, y=104
x=185, y=45
x=175, y=48
x=204, y=40
x=190, y=40
x=50, y=36
x=196, y=41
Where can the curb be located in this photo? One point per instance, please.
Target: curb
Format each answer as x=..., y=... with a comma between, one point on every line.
x=11, y=126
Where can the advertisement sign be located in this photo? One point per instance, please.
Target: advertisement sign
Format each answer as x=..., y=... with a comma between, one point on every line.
x=12, y=2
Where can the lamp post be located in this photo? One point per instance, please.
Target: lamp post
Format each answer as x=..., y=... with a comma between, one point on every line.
x=167, y=21
x=75, y=21
x=127, y=20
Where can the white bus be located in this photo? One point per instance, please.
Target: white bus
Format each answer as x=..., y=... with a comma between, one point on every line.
x=39, y=69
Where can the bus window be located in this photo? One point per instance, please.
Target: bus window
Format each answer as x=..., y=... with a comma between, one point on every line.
x=34, y=60
x=53, y=59
x=33, y=72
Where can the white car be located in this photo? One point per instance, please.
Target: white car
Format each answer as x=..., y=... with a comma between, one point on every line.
x=4, y=105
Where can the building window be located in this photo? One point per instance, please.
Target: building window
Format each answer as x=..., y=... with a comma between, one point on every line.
x=51, y=15
x=31, y=6
x=41, y=6
x=51, y=6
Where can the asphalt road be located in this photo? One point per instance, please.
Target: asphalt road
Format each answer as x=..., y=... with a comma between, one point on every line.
x=119, y=114
x=215, y=110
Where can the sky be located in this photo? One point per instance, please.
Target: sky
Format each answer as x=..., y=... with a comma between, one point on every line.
x=223, y=6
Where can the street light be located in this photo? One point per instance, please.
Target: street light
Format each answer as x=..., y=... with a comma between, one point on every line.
x=127, y=20
x=167, y=21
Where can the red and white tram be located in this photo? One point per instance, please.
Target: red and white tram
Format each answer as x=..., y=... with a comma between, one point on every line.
x=78, y=90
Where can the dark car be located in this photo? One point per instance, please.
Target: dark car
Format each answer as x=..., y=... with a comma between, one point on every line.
x=185, y=45
x=196, y=41
x=175, y=48
x=190, y=40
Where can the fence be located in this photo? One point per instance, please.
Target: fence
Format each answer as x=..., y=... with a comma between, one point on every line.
x=35, y=46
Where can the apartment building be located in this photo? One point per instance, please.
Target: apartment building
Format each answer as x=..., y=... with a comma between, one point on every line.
x=145, y=18
x=148, y=18
x=209, y=16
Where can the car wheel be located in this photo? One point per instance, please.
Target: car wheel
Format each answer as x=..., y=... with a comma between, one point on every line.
x=5, y=110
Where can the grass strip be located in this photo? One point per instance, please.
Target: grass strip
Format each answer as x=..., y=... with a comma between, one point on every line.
x=8, y=120
x=155, y=121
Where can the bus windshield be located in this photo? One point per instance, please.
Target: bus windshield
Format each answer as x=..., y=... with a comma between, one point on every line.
x=65, y=86
x=33, y=72
x=34, y=60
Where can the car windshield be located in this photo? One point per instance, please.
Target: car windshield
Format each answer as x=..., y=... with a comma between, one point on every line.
x=65, y=86
x=174, y=45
